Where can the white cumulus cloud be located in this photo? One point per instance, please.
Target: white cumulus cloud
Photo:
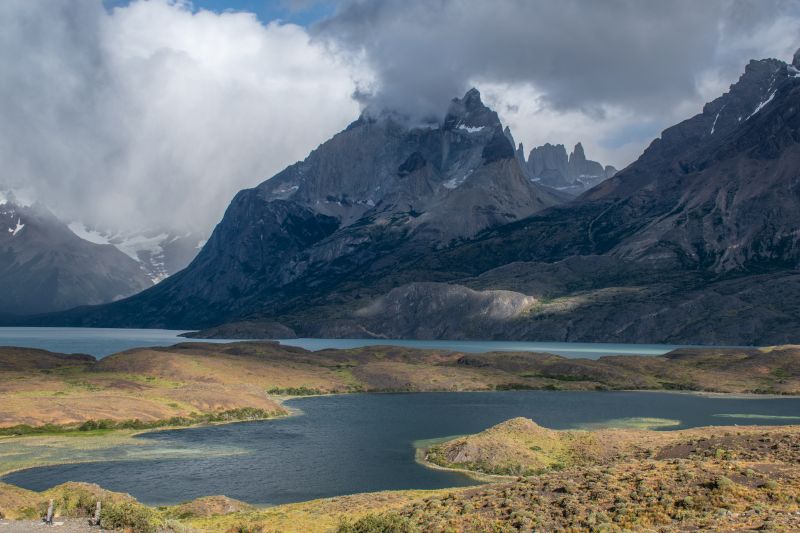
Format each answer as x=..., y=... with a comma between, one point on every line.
x=154, y=114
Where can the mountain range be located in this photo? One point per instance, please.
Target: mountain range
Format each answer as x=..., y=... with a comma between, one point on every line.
x=53, y=265
x=44, y=266
x=444, y=230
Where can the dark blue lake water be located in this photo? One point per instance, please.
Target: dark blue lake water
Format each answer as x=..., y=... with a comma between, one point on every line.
x=357, y=443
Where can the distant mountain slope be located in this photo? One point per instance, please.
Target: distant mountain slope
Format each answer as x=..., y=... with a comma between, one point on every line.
x=46, y=267
x=379, y=191
x=160, y=252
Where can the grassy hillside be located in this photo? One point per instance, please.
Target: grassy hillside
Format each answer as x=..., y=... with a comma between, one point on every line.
x=152, y=384
x=518, y=447
x=59, y=406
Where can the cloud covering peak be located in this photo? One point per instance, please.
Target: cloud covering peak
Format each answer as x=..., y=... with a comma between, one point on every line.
x=611, y=73
x=154, y=114
x=580, y=54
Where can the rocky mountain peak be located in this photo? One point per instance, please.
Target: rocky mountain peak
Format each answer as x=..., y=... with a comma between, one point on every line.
x=472, y=99
x=578, y=156
x=572, y=174
x=796, y=59
x=509, y=136
x=470, y=112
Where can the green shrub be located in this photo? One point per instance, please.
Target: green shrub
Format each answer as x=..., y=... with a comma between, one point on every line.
x=77, y=502
x=723, y=483
x=294, y=391
x=177, y=527
x=386, y=523
x=130, y=515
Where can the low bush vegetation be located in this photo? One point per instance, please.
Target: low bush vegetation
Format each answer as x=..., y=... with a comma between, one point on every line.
x=294, y=391
x=373, y=523
x=130, y=515
x=231, y=415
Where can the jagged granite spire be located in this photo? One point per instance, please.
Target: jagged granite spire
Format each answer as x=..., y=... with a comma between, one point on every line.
x=573, y=173
x=796, y=59
x=578, y=156
x=509, y=136
x=470, y=111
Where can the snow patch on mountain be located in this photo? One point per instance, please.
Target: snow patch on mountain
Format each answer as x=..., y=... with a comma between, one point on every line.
x=151, y=249
x=714, y=126
x=82, y=231
x=453, y=183
x=13, y=231
x=470, y=129
x=762, y=104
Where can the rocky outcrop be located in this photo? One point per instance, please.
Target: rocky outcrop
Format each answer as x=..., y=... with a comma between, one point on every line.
x=439, y=310
x=549, y=163
x=250, y=329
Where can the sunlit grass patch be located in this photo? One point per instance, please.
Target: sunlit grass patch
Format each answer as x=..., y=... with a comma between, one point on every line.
x=632, y=423
x=756, y=416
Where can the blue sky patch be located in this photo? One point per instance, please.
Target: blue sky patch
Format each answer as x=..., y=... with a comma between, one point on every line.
x=301, y=13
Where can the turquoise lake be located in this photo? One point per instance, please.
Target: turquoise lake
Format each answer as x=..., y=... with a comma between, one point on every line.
x=101, y=342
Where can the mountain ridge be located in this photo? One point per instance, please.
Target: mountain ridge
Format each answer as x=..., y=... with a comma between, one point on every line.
x=664, y=251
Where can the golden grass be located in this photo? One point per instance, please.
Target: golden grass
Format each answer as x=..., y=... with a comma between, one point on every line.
x=38, y=387
x=517, y=447
x=711, y=479
x=152, y=384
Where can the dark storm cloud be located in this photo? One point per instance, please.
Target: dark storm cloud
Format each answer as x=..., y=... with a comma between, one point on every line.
x=581, y=54
x=154, y=113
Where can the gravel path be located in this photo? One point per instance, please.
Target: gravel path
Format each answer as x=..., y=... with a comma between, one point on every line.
x=61, y=525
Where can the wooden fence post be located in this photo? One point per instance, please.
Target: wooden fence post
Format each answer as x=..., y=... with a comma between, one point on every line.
x=49, y=518
x=95, y=520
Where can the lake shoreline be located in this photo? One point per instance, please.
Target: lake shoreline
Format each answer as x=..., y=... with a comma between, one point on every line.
x=292, y=411
x=317, y=515
x=202, y=377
